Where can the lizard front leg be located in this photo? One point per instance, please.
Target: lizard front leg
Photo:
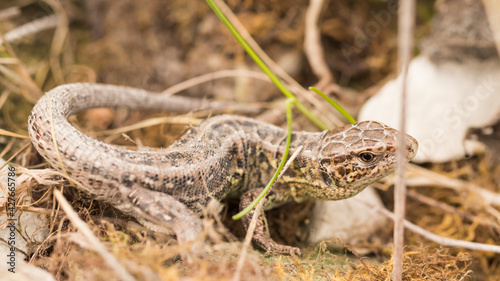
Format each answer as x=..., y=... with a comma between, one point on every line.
x=261, y=236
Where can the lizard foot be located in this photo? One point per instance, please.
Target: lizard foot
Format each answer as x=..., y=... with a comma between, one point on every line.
x=261, y=236
x=275, y=248
x=163, y=213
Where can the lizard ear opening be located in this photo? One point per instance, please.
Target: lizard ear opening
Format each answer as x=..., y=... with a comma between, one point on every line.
x=327, y=179
x=331, y=172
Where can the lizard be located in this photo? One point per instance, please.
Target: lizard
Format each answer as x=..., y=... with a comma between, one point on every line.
x=225, y=156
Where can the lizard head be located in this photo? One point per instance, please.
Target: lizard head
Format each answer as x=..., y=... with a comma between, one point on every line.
x=353, y=156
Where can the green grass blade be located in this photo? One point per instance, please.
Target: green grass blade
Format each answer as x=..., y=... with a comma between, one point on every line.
x=264, y=67
x=291, y=100
x=335, y=105
x=280, y=167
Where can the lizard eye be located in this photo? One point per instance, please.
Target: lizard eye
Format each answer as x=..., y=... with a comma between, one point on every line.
x=366, y=157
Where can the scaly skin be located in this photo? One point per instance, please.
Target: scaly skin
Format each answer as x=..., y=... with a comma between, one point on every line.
x=225, y=156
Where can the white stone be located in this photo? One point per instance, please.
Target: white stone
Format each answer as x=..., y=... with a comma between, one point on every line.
x=350, y=220
x=29, y=229
x=24, y=272
x=444, y=100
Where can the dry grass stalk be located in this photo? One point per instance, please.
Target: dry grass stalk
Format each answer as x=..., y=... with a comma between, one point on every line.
x=406, y=20
x=312, y=44
x=89, y=235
